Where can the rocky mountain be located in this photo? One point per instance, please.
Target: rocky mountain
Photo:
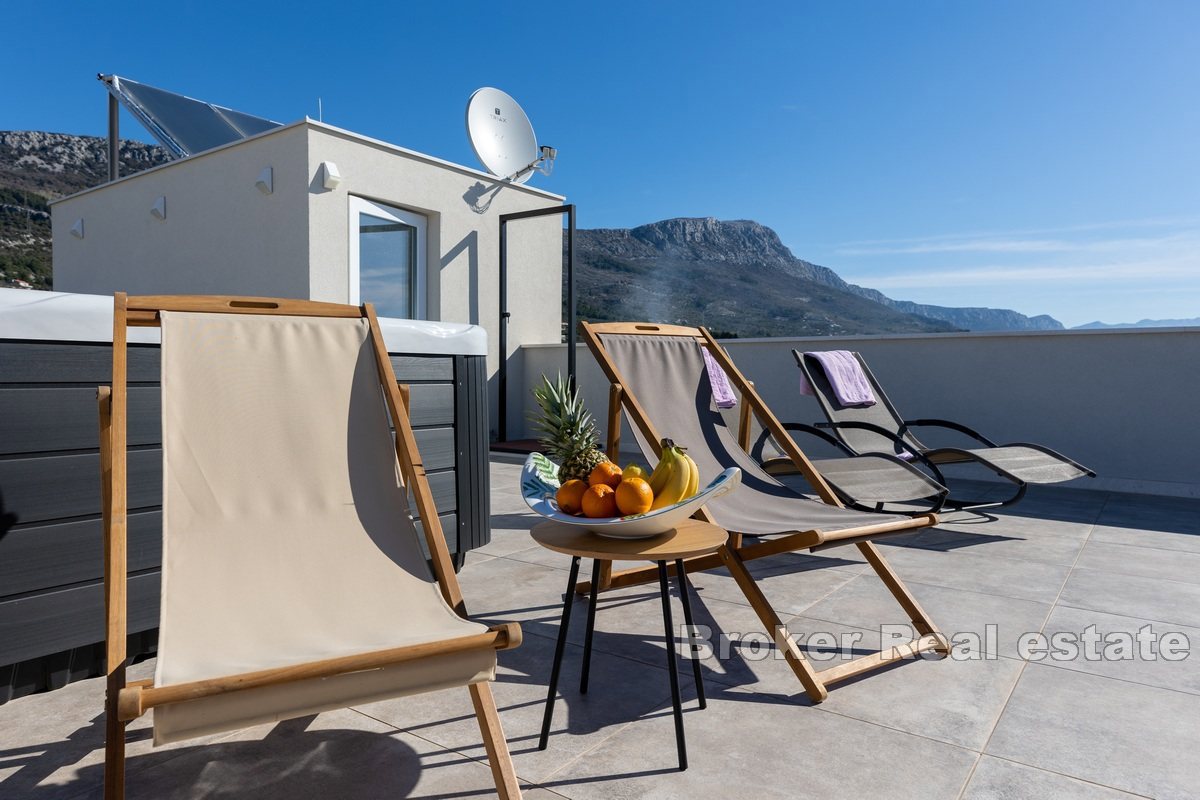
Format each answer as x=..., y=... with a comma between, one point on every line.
x=733, y=277
x=1194, y=322
x=37, y=167
x=741, y=278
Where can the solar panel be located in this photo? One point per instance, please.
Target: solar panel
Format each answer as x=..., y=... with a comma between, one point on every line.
x=181, y=124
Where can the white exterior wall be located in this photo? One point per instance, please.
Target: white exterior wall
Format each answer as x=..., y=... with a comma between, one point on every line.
x=221, y=235
x=463, y=247
x=1120, y=402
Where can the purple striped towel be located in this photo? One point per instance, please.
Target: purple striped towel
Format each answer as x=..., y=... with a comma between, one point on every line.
x=722, y=392
x=846, y=378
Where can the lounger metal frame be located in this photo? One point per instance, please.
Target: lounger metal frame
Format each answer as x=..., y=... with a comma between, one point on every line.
x=735, y=553
x=127, y=700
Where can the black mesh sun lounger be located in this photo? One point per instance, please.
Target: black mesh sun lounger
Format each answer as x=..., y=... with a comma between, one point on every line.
x=879, y=428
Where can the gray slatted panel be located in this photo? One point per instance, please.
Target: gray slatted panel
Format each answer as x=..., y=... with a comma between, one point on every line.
x=444, y=489
x=47, y=623
x=437, y=447
x=72, y=552
x=423, y=368
x=45, y=419
x=61, y=362
x=449, y=523
x=54, y=487
x=431, y=404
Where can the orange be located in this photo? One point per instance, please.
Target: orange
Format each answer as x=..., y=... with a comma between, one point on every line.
x=570, y=496
x=605, y=473
x=634, y=496
x=600, y=501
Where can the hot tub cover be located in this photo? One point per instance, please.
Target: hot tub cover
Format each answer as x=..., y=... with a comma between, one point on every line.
x=65, y=317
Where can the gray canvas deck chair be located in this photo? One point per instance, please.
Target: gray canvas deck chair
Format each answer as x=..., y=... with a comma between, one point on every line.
x=879, y=428
x=657, y=375
x=293, y=580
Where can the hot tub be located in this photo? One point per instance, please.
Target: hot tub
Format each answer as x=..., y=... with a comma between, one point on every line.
x=55, y=349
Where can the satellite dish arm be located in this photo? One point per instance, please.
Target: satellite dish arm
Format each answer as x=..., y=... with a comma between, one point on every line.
x=544, y=163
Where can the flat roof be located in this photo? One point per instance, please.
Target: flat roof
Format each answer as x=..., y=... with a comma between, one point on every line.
x=336, y=131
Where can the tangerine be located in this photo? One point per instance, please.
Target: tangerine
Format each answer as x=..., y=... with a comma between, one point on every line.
x=634, y=496
x=600, y=501
x=605, y=473
x=570, y=496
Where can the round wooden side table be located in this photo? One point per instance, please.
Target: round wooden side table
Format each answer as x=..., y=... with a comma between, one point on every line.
x=691, y=538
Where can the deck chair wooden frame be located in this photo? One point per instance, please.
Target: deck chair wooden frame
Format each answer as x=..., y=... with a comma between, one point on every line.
x=127, y=700
x=735, y=553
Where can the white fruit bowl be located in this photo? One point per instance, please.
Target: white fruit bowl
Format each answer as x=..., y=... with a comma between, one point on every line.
x=540, y=484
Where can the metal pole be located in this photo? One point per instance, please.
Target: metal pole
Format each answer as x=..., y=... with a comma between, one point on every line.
x=114, y=142
x=571, y=335
x=502, y=379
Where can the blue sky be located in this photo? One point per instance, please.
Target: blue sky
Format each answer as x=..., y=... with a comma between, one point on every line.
x=1041, y=156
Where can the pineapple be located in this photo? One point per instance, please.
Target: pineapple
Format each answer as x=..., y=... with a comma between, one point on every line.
x=566, y=428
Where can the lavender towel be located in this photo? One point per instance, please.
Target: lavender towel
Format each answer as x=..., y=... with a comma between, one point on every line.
x=722, y=392
x=850, y=386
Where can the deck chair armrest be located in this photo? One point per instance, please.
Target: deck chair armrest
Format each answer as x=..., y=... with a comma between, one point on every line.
x=756, y=452
x=945, y=423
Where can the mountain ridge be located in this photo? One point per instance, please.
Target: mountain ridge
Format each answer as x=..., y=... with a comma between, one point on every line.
x=746, y=243
x=1145, y=323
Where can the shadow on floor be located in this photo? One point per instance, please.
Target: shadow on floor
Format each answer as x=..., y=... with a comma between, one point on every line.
x=289, y=762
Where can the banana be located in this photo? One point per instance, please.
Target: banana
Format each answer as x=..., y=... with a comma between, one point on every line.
x=677, y=482
x=665, y=465
x=694, y=481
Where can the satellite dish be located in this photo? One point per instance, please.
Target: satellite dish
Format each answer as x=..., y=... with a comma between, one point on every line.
x=502, y=137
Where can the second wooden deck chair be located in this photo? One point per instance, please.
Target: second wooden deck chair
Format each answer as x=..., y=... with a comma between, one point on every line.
x=657, y=374
x=879, y=428
x=293, y=581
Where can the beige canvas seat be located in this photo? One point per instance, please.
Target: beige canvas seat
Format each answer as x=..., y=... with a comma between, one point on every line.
x=293, y=579
x=657, y=375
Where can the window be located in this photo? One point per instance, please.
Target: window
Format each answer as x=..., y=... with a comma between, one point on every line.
x=387, y=259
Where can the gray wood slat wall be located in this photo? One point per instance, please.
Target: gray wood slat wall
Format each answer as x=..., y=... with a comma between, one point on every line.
x=51, y=541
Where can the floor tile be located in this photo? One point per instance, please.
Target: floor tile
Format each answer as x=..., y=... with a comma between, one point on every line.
x=1026, y=545
x=955, y=700
x=744, y=745
x=1110, y=732
x=1171, y=565
x=966, y=617
x=997, y=779
x=1006, y=577
x=1133, y=595
x=1181, y=675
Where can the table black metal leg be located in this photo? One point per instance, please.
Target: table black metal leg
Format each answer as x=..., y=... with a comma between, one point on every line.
x=564, y=622
x=665, y=590
x=591, y=624
x=685, y=589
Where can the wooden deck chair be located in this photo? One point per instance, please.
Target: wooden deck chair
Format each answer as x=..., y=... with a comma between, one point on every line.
x=657, y=375
x=293, y=580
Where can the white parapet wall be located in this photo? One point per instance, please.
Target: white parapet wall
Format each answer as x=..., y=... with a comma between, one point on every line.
x=1121, y=402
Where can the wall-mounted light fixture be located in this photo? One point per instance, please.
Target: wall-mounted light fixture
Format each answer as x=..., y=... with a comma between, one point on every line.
x=330, y=177
x=159, y=209
x=77, y=229
x=266, y=181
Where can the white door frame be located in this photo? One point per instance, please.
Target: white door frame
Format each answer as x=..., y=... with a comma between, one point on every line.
x=361, y=205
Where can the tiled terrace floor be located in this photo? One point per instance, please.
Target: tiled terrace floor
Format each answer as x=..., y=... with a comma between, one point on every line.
x=999, y=727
